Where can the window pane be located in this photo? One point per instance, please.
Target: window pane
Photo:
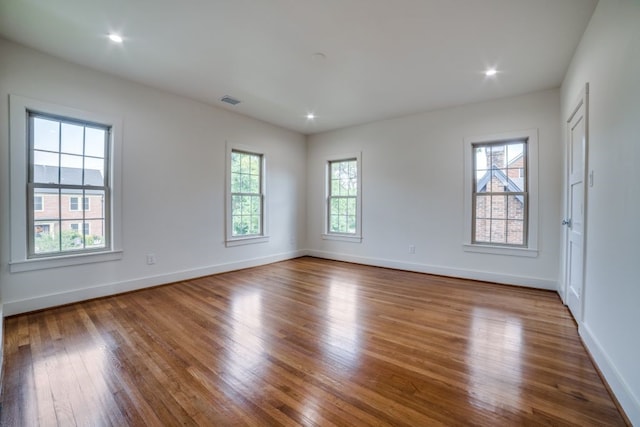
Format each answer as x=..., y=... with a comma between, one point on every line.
x=515, y=232
x=334, y=225
x=496, y=157
x=351, y=224
x=46, y=134
x=72, y=141
x=335, y=170
x=96, y=237
x=94, y=171
x=71, y=204
x=499, y=207
x=353, y=187
x=255, y=184
x=255, y=205
x=95, y=142
x=45, y=167
x=516, y=207
x=236, y=205
x=483, y=206
x=238, y=226
x=483, y=231
x=255, y=225
x=71, y=236
x=498, y=231
x=334, y=209
x=71, y=169
x=50, y=204
x=255, y=165
x=46, y=239
x=95, y=204
x=351, y=206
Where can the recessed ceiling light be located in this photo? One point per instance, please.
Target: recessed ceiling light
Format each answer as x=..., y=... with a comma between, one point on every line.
x=491, y=72
x=115, y=38
x=311, y=116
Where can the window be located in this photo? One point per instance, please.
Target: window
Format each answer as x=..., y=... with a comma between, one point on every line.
x=343, y=198
x=38, y=203
x=501, y=194
x=68, y=160
x=65, y=170
x=245, y=196
x=74, y=204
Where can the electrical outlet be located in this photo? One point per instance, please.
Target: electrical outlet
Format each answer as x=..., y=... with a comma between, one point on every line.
x=151, y=259
x=412, y=249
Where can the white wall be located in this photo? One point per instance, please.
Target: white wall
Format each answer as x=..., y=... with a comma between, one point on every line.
x=173, y=183
x=609, y=59
x=412, y=173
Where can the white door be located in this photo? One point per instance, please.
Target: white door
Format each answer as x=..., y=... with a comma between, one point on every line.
x=575, y=214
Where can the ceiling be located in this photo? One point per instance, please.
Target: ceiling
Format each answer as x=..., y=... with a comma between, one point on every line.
x=382, y=58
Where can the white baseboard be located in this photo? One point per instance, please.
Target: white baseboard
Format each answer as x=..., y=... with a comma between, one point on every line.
x=52, y=300
x=630, y=403
x=486, y=276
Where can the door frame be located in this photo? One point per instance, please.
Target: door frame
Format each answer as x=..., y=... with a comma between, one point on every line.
x=583, y=99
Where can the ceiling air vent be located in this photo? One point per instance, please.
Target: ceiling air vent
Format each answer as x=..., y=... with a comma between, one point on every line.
x=230, y=100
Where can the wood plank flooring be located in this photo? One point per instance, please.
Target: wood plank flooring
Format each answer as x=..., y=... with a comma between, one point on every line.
x=305, y=342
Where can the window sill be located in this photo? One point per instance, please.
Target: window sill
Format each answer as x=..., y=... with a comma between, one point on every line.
x=63, y=261
x=500, y=250
x=246, y=241
x=342, y=237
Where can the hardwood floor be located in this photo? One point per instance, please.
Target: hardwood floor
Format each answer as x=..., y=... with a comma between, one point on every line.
x=305, y=342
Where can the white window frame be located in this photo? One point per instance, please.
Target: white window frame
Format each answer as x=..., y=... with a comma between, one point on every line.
x=345, y=237
x=230, y=239
x=19, y=108
x=531, y=249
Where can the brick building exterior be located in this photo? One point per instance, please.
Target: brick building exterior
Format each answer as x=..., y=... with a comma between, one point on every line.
x=76, y=217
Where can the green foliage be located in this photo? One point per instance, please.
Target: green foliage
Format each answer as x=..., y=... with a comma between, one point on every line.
x=70, y=240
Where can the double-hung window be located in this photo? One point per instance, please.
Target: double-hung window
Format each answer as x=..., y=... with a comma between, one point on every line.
x=501, y=194
x=68, y=167
x=65, y=185
x=245, y=197
x=343, y=206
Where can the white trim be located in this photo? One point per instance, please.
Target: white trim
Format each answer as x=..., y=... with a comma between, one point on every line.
x=38, y=303
x=240, y=241
x=531, y=250
x=326, y=235
x=63, y=261
x=342, y=237
x=629, y=402
x=582, y=99
x=231, y=240
x=500, y=250
x=485, y=276
x=18, y=108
